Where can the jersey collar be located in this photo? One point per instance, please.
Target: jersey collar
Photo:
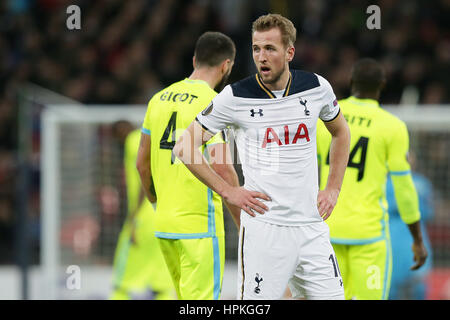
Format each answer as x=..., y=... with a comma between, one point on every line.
x=267, y=90
x=197, y=81
x=364, y=102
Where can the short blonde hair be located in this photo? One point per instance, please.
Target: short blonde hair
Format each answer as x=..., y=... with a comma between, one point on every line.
x=275, y=20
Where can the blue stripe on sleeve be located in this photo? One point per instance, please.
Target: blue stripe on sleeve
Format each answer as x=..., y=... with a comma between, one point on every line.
x=146, y=131
x=399, y=173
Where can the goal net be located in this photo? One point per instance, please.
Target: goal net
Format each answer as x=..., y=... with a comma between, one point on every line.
x=84, y=201
x=84, y=204
x=83, y=195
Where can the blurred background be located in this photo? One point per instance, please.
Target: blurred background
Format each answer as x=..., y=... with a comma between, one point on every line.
x=126, y=51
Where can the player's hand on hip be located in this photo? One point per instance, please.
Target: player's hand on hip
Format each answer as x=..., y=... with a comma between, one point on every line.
x=420, y=255
x=326, y=201
x=247, y=200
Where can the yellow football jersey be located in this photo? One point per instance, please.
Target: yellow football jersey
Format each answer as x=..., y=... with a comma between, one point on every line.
x=186, y=208
x=379, y=146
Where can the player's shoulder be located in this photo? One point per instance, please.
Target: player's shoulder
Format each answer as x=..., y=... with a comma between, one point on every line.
x=247, y=88
x=197, y=85
x=157, y=96
x=226, y=96
x=250, y=87
x=304, y=80
x=171, y=86
x=178, y=86
x=388, y=124
x=373, y=107
x=390, y=119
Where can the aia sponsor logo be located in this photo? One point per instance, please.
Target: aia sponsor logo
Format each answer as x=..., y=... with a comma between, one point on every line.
x=271, y=136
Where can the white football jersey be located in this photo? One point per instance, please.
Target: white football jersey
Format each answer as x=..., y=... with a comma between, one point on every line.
x=276, y=140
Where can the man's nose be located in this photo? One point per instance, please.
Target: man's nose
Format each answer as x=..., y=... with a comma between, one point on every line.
x=262, y=56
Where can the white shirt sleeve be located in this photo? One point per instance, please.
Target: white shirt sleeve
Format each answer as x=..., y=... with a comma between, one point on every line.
x=330, y=108
x=219, y=113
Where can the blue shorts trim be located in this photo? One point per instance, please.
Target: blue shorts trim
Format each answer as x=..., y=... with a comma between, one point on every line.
x=356, y=241
x=169, y=235
x=216, y=268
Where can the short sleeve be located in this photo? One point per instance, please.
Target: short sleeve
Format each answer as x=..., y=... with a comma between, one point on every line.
x=146, y=125
x=330, y=106
x=219, y=113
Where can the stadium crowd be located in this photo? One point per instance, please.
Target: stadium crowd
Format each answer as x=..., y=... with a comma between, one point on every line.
x=128, y=50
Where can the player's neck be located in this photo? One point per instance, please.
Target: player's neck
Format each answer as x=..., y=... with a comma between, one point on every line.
x=280, y=84
x=205, y=74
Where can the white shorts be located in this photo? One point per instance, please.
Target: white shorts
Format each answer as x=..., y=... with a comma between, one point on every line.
x=273, y=257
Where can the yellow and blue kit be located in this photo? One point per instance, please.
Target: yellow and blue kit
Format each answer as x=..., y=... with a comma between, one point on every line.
x=189, y=216
x=359, y=229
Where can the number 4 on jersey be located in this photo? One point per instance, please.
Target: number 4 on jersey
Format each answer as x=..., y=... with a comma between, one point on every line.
x=361, y=144
x=171, y=127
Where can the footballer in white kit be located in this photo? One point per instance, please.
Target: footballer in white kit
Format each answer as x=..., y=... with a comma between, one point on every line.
x=283, y=240
x=276, y=140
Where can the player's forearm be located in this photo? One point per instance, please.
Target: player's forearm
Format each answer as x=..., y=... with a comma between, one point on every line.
x=406, y=198
x=143, y=162
x=408, y=204
x=150, y=192
x=147, y=183
x=416, y=232
x=228, y=173
x=206, y=174
x=339, y=153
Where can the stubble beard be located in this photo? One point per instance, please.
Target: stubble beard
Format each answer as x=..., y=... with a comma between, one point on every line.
x=219, y=87
x=275, y=78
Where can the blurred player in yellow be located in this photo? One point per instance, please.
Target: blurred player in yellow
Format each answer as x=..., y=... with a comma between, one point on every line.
x=139, y=270
x=359, y=224
x=189, y=217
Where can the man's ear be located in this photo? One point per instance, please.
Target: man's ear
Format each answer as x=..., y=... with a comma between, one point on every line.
x=224, y=66
x=290, y=53
x=193, y=62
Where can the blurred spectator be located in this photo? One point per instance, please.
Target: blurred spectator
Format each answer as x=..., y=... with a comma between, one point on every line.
x=133, y=41
x=128, y=50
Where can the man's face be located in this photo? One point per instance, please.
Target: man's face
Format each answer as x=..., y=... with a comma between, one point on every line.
x=270, y=55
